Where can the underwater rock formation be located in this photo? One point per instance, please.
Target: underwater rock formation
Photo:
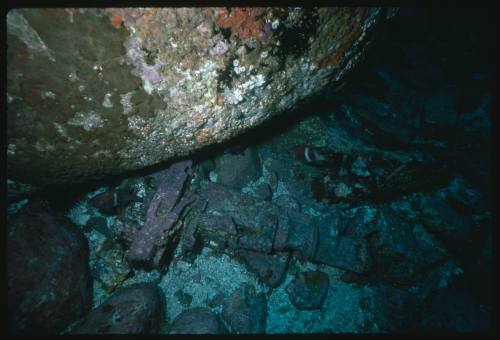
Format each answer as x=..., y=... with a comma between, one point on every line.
x=97, y=92
x=197, y=321
x=49, y=283
x=245, y=311
x=136, y=309
x=366, y=209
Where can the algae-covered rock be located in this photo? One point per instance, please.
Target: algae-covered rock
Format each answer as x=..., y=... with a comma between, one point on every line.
x=98, y=92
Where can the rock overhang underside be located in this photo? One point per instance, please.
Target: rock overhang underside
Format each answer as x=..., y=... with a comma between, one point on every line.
x=98, y=92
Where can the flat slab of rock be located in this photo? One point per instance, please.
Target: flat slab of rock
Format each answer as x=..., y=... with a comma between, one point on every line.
x=49, y=283
x=197, y=321
x=246, y=311
x=309, y=290
x=136, y=309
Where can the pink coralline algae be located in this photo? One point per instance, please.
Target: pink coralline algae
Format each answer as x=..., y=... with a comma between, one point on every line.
x=220, y=48
x=151, y=74
x=167, y=205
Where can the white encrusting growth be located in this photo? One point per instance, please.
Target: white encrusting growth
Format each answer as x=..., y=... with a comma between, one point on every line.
x=87, y=120
x=107, y=101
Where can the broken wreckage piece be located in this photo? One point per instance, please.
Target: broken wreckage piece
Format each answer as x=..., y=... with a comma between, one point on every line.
x=167, y=205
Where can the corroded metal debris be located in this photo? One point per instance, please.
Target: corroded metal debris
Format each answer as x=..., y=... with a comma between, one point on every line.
x=233, y=221
x=168, y=203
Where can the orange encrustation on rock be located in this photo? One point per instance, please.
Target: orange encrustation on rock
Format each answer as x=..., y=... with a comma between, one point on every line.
x=116, y=20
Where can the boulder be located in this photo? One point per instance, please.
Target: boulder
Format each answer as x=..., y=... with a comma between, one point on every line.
x=49, y=283
x=245, y=311
x=197, y=321
x=95, y=92
x=136, y=309
x=235, y=171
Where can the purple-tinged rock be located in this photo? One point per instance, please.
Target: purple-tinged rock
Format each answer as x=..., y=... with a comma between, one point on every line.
x=151, y=241
x=309, y=290
x=197, y=321
x=49, y=282
x=245, y=311
x=136, y=309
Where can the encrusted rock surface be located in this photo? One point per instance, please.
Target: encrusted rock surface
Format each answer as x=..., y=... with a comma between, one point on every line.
x=97, y=92
x=245, y=311
x=48, y=272
x=137, y=309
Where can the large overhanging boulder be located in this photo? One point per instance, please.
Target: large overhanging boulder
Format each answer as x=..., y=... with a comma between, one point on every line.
x=98, y=92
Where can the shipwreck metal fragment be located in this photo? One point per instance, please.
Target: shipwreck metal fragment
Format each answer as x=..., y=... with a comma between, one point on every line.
x=167, y=205
x=236, y=222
